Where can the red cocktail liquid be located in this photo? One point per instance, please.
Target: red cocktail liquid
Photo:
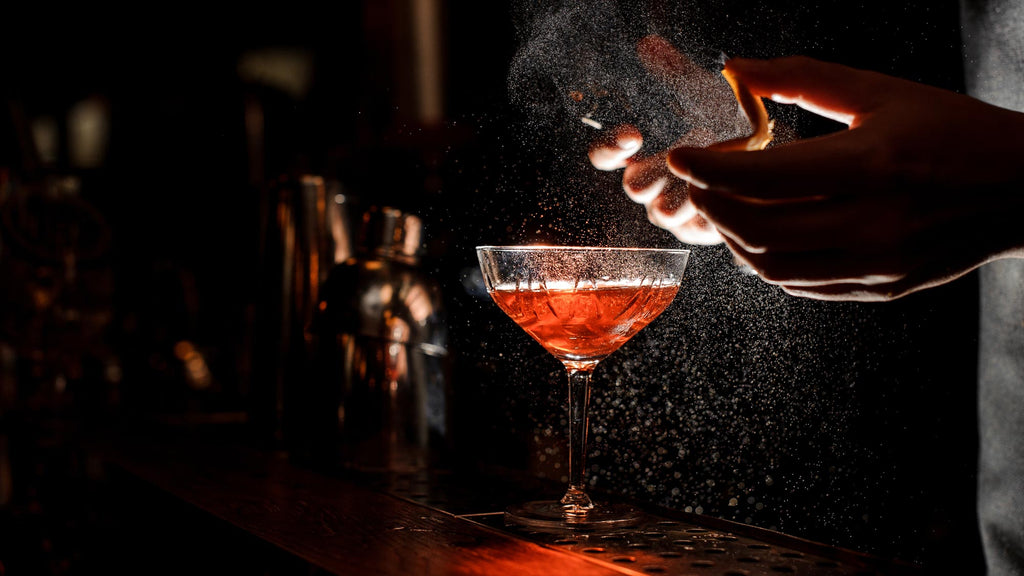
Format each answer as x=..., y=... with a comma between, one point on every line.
x=582, y=326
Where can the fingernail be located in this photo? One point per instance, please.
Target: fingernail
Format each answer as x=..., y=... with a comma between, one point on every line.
x=628, y=144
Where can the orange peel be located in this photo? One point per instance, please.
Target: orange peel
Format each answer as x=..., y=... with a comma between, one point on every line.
x=753, y=109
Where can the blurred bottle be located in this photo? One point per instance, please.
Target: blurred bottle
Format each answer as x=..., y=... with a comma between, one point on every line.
x=306, y=230
x=56, y=276
x=56, y=295
x=379, y=396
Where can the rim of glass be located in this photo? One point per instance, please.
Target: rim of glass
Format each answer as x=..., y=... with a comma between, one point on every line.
x=536, y=247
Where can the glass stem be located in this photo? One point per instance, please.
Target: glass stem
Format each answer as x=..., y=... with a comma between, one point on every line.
x=576, y=503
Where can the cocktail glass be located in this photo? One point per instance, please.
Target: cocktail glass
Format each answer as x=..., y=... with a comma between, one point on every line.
x=581, y=304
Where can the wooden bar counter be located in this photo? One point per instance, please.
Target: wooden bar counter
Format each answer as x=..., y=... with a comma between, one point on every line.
x=187, y=504
x=332, y=525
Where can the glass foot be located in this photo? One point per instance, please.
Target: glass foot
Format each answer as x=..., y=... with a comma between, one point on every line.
x=549, y=514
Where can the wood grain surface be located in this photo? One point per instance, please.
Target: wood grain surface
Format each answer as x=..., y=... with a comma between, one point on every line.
x=335, y=525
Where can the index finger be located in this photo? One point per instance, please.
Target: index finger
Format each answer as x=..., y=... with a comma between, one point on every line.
x=831, y=90
x=824, y=165
x=615, y=147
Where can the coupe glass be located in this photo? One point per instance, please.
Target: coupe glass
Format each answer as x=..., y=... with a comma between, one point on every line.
x=581, y=304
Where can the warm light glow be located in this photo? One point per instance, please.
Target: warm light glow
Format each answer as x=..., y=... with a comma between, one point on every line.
x=384, y=295
x=417, y=299
x=338, y=223
x=315, y=185
x=514, y=557
x=411, y=240
x=45, y=136
x=88, y=132
x=197, y=373
x=183, y=350
x=287, y=69
x=397, y=329
x=396, y=366
x=426, y=36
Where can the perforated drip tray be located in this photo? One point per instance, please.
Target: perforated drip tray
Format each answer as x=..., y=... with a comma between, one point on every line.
x=665, y=542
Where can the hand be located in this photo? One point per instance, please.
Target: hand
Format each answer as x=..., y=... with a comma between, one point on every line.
x=925, y=186
x=709, y=104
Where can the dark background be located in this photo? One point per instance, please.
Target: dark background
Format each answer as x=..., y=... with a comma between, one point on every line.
x=849, y=424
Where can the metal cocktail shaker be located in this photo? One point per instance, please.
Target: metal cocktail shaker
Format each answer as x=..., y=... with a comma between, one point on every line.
x=379, y=395
x=306, y=230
